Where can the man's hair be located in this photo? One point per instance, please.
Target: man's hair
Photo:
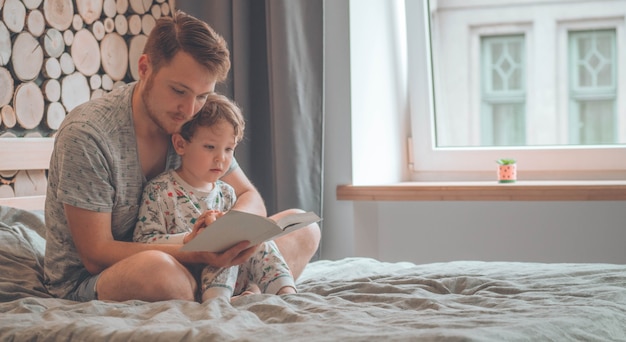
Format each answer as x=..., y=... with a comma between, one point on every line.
x=216, y=108
x=183, y=32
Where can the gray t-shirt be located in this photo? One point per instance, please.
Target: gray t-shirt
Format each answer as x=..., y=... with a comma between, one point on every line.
x=94, y=166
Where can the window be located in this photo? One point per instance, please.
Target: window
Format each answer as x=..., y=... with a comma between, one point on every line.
x=503, y=91
x=536, y=81
x=593, y=86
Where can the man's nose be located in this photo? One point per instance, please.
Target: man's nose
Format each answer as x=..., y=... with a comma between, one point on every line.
x=188, y=107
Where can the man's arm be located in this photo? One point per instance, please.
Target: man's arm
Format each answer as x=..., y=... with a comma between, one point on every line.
x=98, y=250
x=248, y=197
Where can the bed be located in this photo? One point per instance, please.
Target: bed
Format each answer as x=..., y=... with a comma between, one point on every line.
x=352, y=299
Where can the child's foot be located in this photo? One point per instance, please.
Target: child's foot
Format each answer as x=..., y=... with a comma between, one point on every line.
x=286, y=290
x=244, y=293
x=251, y=289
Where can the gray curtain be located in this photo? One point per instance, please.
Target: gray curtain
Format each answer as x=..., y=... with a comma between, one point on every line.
x=277, y=78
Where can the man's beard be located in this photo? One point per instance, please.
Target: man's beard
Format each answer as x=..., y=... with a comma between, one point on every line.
x=150, y=112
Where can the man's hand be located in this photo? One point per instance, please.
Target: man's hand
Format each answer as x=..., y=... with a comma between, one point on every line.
x=234, y=256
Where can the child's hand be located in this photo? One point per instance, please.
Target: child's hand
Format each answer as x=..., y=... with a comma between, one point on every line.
x=210, y=216
x=202, y=222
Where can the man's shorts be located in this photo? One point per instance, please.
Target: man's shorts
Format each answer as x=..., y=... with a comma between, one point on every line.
x=86, y=290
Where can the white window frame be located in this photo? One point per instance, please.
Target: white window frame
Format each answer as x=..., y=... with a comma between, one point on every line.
x=431, y=163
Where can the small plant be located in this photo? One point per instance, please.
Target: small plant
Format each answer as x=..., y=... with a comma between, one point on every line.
x=505, y=161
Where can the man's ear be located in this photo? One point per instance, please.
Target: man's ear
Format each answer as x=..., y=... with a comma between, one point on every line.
x=179, y=143
x=143, y=66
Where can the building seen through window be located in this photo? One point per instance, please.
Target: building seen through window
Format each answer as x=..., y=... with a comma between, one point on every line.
x=528, y=73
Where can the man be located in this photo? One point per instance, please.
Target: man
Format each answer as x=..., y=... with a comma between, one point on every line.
x=108, y=148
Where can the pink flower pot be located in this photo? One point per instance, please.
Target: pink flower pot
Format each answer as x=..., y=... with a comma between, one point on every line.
x=507, y=173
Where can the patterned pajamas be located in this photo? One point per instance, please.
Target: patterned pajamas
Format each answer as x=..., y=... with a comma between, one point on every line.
x=169, y=209
x=266, y=268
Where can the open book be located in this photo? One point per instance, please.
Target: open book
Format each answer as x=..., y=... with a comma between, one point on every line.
x=236, y=226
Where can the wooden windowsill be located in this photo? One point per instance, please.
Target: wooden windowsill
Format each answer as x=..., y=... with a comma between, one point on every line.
x=602, y=190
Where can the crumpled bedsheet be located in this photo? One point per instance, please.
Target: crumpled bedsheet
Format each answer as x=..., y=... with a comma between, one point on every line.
x=352, y=299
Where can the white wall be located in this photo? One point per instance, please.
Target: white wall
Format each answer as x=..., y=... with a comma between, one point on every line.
x=378, y=88
x=501, y=231
x=337, y=239
x=441, y=231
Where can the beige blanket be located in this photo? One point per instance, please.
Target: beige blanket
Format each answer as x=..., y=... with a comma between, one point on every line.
x=353, y=299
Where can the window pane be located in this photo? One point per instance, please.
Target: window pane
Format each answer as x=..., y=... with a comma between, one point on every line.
x=595, y=123
x=595, y=57
x=504, y=125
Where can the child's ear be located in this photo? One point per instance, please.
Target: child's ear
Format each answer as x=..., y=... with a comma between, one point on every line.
x=179, y=143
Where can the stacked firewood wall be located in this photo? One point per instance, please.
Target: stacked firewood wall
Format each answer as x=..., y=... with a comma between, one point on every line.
x=57, y=54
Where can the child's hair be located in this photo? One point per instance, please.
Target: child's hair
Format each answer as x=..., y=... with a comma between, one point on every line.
x=217, y=107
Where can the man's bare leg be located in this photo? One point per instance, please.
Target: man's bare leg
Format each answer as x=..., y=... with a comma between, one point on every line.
x=150, y=276
x=299, y=246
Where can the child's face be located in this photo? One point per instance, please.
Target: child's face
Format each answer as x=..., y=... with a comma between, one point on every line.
x=208, y=155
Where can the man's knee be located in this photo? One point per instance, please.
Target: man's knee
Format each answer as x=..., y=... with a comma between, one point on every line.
x=307, y=238
x=314, y=235
x=157, y=276
x=170, y=276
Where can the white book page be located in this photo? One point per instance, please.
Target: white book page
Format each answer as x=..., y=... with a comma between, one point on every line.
x=236, y=226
